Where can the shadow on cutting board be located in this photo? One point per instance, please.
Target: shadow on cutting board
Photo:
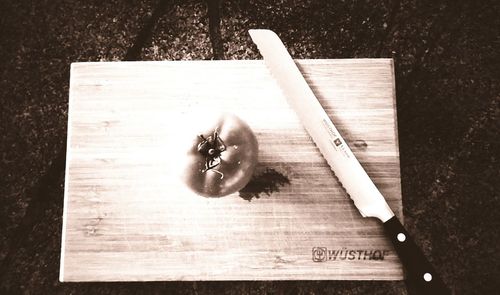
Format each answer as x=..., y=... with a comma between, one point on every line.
x=266, y=182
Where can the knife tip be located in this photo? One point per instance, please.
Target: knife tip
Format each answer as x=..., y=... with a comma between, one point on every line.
x=255, y=33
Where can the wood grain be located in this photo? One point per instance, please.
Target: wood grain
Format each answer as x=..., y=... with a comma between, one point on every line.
x=128, y=217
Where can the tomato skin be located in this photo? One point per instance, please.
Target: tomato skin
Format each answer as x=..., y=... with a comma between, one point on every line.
x=237, y=160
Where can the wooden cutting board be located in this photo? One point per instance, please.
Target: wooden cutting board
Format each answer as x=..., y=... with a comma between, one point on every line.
x=127, y=218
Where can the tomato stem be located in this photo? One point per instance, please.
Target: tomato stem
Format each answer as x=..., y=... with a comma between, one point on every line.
x=212, y=147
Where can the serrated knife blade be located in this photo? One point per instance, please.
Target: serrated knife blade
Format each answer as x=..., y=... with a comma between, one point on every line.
x=367, y=198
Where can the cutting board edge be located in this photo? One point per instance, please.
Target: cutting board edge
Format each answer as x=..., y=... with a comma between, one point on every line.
x=76, y=65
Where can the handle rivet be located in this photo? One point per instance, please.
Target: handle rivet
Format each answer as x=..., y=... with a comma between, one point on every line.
x=401, y=237
x=427, y=277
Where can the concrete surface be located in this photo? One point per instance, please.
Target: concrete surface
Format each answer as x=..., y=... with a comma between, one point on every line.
x=448, y=92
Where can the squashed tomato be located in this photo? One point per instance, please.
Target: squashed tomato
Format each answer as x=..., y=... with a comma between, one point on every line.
x=222, y=157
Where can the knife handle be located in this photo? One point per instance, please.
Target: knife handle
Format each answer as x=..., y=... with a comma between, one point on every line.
x=419, y=271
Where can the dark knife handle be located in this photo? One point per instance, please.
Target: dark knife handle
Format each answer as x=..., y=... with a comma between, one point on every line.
x=419, y=272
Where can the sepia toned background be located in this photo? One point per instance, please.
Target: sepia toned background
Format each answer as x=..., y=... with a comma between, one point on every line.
x=447, y=88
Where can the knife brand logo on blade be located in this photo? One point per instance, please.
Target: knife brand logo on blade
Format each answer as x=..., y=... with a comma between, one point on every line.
x=335, y=139
x=333, y=134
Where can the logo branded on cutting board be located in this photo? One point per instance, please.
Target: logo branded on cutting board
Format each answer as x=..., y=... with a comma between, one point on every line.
x=323, y=254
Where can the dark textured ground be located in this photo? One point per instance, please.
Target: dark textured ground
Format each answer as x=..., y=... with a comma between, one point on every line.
x=448, y=92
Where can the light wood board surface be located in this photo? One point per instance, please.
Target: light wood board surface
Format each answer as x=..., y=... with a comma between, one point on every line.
x=128, y=217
